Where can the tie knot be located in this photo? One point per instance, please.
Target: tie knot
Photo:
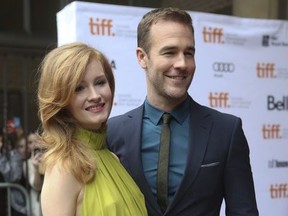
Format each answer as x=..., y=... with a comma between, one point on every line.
x=166, y=118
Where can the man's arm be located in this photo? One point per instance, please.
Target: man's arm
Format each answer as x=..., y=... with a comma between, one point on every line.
x=239, y=186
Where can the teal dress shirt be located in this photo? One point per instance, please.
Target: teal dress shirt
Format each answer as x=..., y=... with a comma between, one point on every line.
x=151, y=130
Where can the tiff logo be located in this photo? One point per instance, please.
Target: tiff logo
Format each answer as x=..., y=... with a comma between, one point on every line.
x=219, y=100
x=213, y=35
x=101, y=27
x=265, y=70
x=271, y=131
x=278, y=191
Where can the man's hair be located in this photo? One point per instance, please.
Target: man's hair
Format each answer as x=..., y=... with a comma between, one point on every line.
x=156, y=15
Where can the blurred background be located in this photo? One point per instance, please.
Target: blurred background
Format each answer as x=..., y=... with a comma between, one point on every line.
x=28, y=32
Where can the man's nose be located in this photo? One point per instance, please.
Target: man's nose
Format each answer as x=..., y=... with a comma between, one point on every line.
x=180, y=61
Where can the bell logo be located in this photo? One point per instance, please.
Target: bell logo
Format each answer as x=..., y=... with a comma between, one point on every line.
x=213, y=35
x=219, y=100
x=272, y=104
x=101, y=27
x=278, y=191
x=277, y=164
x=271, y=131
x=265, y=70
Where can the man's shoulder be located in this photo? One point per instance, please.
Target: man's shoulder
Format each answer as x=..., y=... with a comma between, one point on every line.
x=120, y=123
x=216, y=114
x=129, y=114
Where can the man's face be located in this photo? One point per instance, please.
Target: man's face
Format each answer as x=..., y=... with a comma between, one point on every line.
x=170, y=63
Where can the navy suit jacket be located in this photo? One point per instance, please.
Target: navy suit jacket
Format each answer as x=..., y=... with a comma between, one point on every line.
x=218, y=164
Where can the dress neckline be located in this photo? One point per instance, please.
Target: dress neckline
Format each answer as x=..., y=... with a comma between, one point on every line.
x=94, y=139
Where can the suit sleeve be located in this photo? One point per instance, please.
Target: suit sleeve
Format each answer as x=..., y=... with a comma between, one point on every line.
x=238, y=181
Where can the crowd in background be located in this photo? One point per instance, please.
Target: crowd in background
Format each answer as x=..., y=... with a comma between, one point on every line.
x=20, y=163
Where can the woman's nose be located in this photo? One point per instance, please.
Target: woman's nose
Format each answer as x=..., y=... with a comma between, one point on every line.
x=93, y=94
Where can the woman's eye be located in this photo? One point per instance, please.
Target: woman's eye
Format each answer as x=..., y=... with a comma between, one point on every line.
x=79, y=88
x=100, y=82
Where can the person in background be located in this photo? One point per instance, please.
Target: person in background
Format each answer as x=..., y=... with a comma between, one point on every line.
x=11, y=170
x=209, y=154
x=3, y=192
x=75, y=97
x=31, y=155
x=12, y=135
x=21, y=145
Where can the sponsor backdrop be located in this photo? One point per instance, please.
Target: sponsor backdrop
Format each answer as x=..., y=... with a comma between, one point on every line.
x=242, y=68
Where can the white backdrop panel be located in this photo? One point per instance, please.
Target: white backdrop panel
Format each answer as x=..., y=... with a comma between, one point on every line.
x=241, y=69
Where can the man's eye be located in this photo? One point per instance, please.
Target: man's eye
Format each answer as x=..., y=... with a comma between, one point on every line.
x=190, y=53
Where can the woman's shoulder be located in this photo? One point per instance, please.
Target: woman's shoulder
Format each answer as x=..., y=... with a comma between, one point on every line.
x=58, y=173
x=58, y=177
x=60, y=189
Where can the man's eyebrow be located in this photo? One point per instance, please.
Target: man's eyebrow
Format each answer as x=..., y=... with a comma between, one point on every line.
x=171, y=48
x=168, y=48
x=192, y=48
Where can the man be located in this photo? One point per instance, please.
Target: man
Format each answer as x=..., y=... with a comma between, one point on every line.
x=209, y=155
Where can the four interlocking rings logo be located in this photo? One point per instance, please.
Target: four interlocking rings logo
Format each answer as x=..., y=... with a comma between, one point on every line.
x=223, y=67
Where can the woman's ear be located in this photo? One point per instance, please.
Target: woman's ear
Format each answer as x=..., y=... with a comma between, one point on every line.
x=142, y=57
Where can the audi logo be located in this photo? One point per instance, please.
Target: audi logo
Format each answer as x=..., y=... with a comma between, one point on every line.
x=223, y=67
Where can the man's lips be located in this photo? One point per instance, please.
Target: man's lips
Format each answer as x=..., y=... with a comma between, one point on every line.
x=177, y=77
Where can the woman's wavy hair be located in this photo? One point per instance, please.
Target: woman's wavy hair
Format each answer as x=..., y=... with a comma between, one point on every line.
x=60, y=73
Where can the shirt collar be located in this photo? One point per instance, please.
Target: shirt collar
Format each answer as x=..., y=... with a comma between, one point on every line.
x=180, y=112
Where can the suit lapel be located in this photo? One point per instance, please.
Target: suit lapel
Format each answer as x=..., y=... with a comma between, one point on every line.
x=200, y=125
x=133, y=123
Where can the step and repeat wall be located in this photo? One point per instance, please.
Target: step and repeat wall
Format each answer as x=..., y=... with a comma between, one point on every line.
x=241, y=68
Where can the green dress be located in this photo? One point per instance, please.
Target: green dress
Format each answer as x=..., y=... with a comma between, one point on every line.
x=112, y=192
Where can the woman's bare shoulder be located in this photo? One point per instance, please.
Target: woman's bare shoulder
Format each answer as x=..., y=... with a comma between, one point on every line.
x=60, y=191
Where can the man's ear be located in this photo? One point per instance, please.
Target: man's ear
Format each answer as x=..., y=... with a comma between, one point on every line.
x=142, y=57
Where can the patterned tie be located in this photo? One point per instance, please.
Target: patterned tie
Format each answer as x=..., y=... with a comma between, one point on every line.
x=162, y=174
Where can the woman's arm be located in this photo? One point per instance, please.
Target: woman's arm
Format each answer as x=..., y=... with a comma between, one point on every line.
x=59, y=192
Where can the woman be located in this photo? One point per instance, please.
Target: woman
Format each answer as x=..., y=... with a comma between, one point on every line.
x=82, y=177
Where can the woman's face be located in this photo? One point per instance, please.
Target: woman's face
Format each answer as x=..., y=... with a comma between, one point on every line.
x=32, y=141
x=91, y=102
x=21, y=146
